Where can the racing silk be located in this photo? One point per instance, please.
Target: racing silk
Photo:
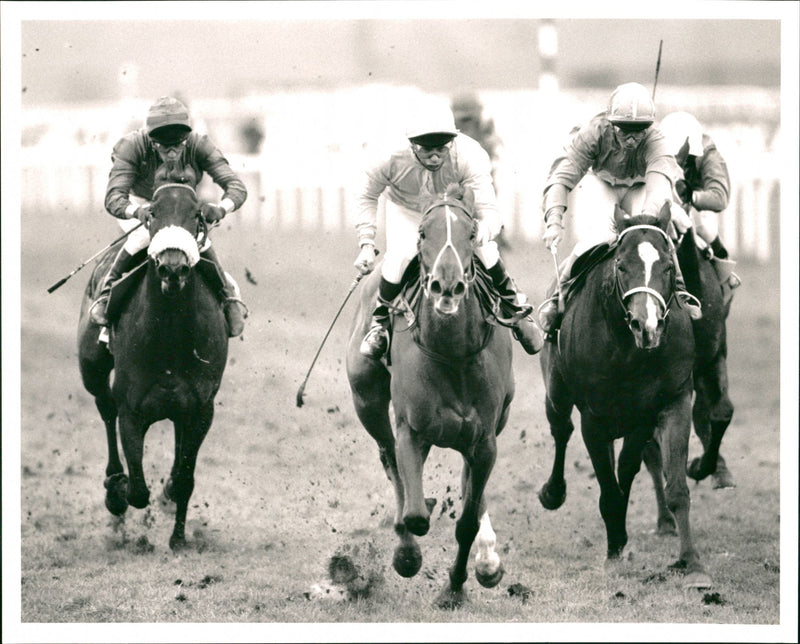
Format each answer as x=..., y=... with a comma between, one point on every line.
x=402, y=177
x=135, y=161
x=595, y=147
x=707, y=176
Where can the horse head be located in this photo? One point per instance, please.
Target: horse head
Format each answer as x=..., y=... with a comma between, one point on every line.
x=174, y=231
x=446, y=244
x=644, y=274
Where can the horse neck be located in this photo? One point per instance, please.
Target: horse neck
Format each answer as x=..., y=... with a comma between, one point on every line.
x=455, y=336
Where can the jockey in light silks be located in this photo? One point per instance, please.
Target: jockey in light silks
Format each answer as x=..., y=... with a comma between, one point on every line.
x=705, y=188
x=436, y=156
x=619, y=157
x=166, y=140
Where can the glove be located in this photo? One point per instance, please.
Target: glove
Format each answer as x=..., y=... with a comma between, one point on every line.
x=144, y=214
x=212, y=212
x=683, y=191
x=482, y=235
x=365, y=261
x=554, y=231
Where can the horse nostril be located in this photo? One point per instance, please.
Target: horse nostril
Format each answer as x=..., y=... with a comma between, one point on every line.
x=183, y=271
x=162, y=272
x=436, y=287
x=635, y=325
x=459, y=289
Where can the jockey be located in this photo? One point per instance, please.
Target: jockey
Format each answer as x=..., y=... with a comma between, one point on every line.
x=167, y=140
x=469, y=120
x=621, y=158
x=704, y=190
x=436, y=155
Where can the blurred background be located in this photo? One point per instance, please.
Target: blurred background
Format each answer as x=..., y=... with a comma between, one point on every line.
x=294, y=104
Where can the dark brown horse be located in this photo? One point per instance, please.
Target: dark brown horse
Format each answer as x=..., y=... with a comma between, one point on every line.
x=624, y=358
x=450, y=384
x=168, y=350
x=712, y=410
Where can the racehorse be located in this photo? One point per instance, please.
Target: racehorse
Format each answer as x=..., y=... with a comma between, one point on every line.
x=168, y=348
x=450, y=384
x=624, y=358
x=712, y=410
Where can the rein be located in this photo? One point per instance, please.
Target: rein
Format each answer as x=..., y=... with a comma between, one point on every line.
x=469, y=271
x=622, y=296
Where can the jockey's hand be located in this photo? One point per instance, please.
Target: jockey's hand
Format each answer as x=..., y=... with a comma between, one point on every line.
x=554, y=230
x=482, y=235
x=144, y=214
x=212, y=212
x=365, y=261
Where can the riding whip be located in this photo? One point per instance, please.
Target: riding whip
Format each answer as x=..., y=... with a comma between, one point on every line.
x=352, y=288
x=658, y=67
x=61, y=282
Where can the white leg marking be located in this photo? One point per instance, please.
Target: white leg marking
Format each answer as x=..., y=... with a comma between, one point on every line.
x=487, y=561
x=649, y=256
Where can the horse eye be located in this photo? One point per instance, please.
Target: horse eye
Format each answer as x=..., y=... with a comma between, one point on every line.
x=422, y=234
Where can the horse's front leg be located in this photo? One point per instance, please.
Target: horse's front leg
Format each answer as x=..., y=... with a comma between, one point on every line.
x=558, y=407
x=190, y=433
x=665, y=524
x=477, y=468
x=612, y=501
x=411, y=451
x=712, y=413
x=675, y=426
x=132, y=428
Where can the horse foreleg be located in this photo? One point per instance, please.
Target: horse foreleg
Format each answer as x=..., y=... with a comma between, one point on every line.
x=132, y=429
x=665, y=524
x=411, y=453
x=190, y=433
x=558, y=408
x=475, y=474
x=712, y=414
x=612, y=501
x=675, y=427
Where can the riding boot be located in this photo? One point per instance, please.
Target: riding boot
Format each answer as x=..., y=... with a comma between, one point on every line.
x=552, y=309
x=687, y=300
x=524, y=328
x=234, y=307
x=724, y=265
x=98, y=312
x=376, y=342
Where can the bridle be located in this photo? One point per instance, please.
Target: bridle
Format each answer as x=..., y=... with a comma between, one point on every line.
x=622, y=296
x=466, y=269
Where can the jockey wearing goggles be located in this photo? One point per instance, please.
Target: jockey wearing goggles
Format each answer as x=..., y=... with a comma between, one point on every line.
x=166, y=142
x=704, y=190
x=435, y=156
x=619, y=157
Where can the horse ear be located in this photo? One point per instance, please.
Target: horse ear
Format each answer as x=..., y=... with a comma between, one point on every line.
x=469, y=199
x=425, y=198
x=454, y=191
x=621, y=218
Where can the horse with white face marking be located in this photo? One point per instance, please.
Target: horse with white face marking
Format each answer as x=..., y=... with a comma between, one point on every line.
x=450, y=384
x=624, y=358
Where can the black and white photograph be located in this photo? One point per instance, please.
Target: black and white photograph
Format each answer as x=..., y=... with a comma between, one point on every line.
x=398, y=321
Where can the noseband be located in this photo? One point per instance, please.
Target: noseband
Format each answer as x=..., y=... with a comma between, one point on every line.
x=469, y=271
x=623, y=296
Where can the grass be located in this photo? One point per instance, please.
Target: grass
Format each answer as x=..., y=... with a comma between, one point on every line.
x=279, y=489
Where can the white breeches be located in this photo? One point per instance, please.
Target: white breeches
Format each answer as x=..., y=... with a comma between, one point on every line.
x=591, y=204
x=402, y=233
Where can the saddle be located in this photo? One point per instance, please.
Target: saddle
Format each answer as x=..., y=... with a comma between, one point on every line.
x=123, y=288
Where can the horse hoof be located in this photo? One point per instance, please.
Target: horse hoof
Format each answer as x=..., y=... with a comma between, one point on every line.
x=552, y=496
x=407, y=560
x=490, y=581
x=695, y=470
x=417, y=525
x=723, y=480
x=177, y=543
x=116, y=494
x=697, y=581
x=450, y=599
x=666, y=528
